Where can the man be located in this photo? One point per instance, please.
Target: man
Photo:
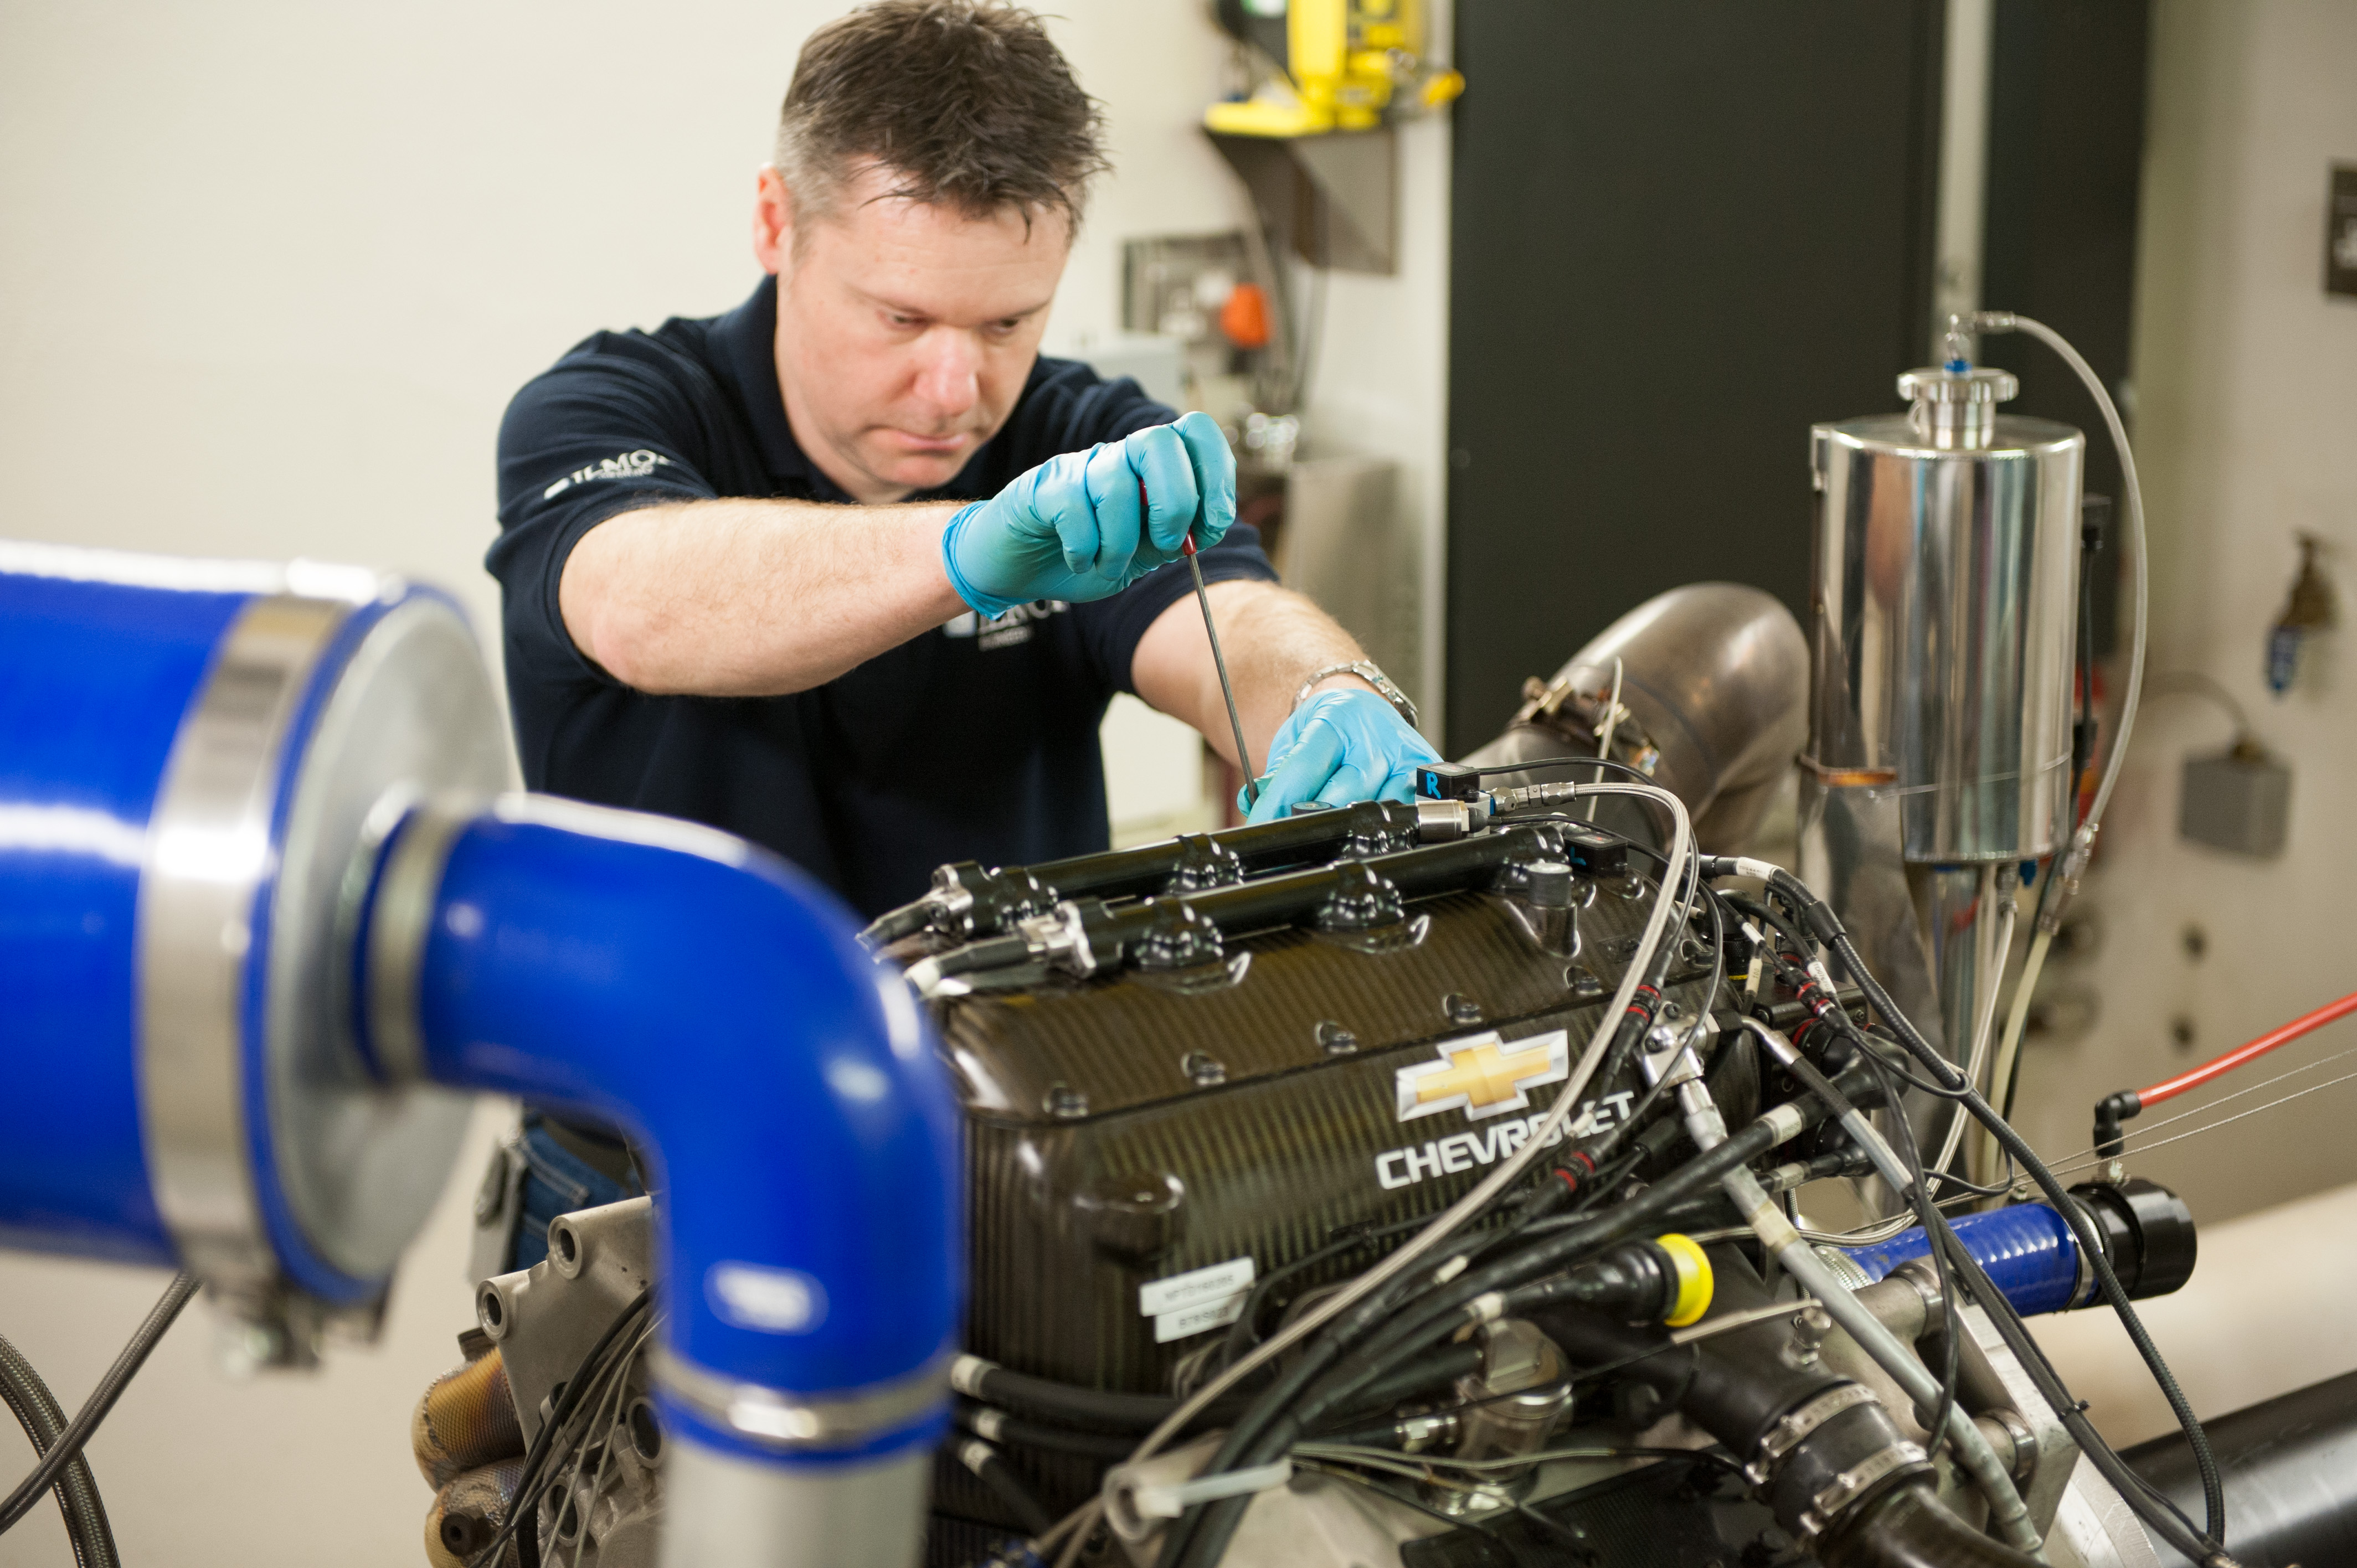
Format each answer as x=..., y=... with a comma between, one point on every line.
x=852, y=571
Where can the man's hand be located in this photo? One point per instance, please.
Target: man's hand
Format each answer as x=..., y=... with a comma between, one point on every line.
x=1338, y=747
x=1073, y=528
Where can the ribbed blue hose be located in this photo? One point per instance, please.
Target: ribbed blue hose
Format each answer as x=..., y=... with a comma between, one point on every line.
x=2027, y=1248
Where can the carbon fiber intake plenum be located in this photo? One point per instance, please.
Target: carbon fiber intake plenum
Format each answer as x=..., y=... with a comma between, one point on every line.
x=1211, y=1125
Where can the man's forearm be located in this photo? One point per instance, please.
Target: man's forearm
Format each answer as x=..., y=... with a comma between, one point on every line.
x=1274, y=639
x=753, y=598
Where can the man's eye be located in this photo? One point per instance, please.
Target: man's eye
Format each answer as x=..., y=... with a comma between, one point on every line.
x=1005, y=329
x=904, y=323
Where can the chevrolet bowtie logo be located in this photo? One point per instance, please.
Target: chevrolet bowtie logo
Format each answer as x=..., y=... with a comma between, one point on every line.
x=1483, y=1076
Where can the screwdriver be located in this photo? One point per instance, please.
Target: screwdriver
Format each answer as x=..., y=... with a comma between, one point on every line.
x=1218, y=660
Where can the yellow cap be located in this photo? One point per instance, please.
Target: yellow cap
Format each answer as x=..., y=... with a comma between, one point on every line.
x=1693, y=1279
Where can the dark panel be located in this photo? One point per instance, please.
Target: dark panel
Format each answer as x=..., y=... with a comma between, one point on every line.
x=2065, y=167
x=1684, y=232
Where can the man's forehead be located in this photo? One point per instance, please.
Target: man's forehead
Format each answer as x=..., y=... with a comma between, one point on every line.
x=933, y=258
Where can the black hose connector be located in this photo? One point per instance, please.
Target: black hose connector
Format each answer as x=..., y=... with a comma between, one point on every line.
x=2110, y=1111
x=1636, y=1282
x=2146, y=1230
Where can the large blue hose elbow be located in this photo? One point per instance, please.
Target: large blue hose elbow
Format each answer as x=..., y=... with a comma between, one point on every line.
x=244, y=934
x=705, y=996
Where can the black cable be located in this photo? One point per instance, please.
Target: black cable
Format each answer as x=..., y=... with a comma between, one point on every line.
x=1341, y=1473
x=38, y=1412
x=76, y=1434
x=1822, y=920
x=1639, y=774
x=1918, y=1194
x=1777, y=923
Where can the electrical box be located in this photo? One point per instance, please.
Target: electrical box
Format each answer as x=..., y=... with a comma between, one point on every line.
x=2239, y=802
x=2340, y=232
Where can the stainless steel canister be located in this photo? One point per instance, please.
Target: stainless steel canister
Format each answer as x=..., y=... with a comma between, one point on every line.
x=1943, y=591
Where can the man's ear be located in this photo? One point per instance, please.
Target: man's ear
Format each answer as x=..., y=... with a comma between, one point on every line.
x=773, y=220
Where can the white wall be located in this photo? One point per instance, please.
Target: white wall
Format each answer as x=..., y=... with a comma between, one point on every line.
x=269, y=272
x=2246, y=432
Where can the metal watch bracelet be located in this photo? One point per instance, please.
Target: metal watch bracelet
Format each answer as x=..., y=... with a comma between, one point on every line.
x=1365, y=669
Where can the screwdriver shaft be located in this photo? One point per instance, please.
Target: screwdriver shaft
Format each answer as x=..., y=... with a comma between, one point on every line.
x=1227, y=688
x=1218, y=660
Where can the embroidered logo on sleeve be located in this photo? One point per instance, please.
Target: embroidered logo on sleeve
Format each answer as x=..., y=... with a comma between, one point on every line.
x=628, y=466
x=1003, y=631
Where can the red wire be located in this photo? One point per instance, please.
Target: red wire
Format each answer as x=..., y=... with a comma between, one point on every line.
x=2258, y=1048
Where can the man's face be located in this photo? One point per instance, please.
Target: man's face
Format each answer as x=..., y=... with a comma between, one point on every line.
x=905, y=331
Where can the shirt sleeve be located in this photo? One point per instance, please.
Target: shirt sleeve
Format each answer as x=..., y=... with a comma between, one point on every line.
x=1112, y=628
x=599, y=433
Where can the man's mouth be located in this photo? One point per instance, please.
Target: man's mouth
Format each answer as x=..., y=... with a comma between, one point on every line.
x=926, y=446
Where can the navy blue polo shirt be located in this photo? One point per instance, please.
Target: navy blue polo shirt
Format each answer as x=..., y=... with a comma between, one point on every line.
x=974, y=741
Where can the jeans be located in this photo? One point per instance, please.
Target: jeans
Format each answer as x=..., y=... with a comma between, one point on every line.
x=555, y=1181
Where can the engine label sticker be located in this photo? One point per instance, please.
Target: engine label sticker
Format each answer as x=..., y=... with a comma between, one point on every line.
x=1396, y=1168
x=1197, y=1287
x=1189, y=1320
x=1483, y=1075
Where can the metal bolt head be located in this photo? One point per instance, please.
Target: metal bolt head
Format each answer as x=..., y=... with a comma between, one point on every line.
x=2116, y=1172
x=1203, y=1070
x=1064, y=1102
x=1460, y=1008
x=1334, y=1039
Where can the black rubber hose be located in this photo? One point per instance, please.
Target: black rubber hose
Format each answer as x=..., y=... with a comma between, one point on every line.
x=1100, y=1410
x=71, y=1442
x=1908, y=1527
x=1736, y=1398
x=38, y=1412
x=996, y=1473
x=1013, y=1432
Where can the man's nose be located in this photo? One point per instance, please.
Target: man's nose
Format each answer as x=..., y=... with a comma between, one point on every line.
x=948, y=371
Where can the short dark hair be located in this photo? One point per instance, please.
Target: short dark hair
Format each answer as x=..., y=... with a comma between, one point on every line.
x=967, y=101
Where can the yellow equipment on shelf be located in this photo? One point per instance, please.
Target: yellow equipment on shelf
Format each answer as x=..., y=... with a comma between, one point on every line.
x=1346, y=61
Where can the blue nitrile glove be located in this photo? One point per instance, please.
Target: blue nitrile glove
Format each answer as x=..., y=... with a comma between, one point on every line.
x=1070, y=528
x=1339, y=747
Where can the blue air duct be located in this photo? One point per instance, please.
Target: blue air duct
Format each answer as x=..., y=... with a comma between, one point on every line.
x=2027, y=1248
x=262, y=903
